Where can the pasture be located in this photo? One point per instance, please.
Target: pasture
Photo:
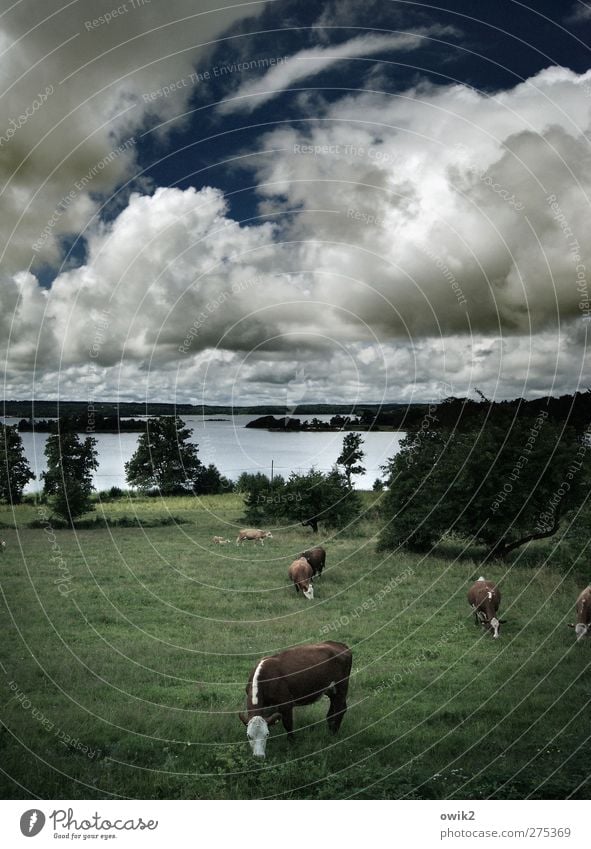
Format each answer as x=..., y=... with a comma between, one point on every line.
x=124, y=662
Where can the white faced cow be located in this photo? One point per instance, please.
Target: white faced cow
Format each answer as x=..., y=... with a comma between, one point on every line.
x=296, y=676
x=301, y=573
x=485, y=598
x=316, y=557
x=220, y=540
x=253, y=534
x=583, y=609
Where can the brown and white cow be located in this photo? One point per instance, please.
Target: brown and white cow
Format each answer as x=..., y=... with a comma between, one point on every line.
x=583, y=609
x=485, y=598
x=302, y=575
x=316, y=557
x=294, y=677
x=253, y=534
x=220, y=540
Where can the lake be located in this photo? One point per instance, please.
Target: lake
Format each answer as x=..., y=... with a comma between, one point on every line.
x=233, y=449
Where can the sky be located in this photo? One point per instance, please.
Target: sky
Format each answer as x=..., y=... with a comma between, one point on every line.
x=281, y=201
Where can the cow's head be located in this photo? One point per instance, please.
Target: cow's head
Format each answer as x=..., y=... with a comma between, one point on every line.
x=493, y=624
x=581, y=630
x=257, y=731
x=309, y=592
x=268, y=535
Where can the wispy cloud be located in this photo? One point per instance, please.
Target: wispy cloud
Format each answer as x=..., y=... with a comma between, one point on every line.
x=580, y=13
x=308, y=63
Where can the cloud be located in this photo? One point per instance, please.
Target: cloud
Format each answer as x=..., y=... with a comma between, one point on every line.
x=307, y=63
x=436, y=236
x=76, y=82
x=580, y=13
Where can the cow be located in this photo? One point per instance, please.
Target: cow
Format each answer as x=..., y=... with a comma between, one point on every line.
x=583, y=608
x=220, y=540
x=294, y=677
x=302, y=575
x=2, y=546
x=485, y=598
x=316, y=557
x=253, y=534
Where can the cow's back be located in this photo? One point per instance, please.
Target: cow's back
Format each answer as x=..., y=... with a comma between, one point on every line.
x=583, y=607
x=306, y=671
x=478, y=594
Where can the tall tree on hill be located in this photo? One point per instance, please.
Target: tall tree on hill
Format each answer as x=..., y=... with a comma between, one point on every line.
x=68, y=479
x=164, y=458
x=15, y=472
x=351, y=456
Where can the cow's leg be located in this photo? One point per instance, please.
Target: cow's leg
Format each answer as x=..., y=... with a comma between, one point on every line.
x=336, y=712
x=287, y=719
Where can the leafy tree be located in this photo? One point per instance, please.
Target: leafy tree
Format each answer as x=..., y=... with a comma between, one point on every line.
x=261, y=497
x=315, y=497
x=164, y=458
x=68, y=479
x=15, y=472
x=378, y=485
x=351, y=456
x=209, y=481
x=502, y=484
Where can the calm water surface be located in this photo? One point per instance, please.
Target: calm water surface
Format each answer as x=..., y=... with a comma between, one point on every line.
x=233, y=449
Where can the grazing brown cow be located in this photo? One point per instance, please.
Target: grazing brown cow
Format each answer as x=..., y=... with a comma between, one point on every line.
x=583, y=608
x=316, y=557
x=253, y=534
x=297, y=676
x=485, y=598
x=220, y=540
x=301, y=573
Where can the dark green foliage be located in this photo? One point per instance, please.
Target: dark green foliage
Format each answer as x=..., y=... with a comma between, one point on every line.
x=262, y=499
x=307, y=499
x=68, y=479
x=500, y=485
x=164, y=459
x=351, y=456
x=15, y=472
x=378, y=485
x=209, y=481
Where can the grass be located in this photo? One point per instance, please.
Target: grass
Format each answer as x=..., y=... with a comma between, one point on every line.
x=126, y=651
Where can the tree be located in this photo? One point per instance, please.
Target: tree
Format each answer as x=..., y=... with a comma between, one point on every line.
x=261, y=497
x=315, y=497
x=15, y=472
x=68, y=479
x=502, y=484
x=164, y=458
x=209, y=481
x=351, y=456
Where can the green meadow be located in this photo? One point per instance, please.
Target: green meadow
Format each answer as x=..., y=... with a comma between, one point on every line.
x=126, y=651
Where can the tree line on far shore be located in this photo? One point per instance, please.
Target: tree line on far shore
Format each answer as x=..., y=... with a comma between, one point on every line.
x=500, y=483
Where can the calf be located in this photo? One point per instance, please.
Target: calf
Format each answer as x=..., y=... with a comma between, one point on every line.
x=316, y=557
x=253, y=534
x=296, y=676
x=485, y=598
x=583, y=608
x=301, y=573
x=220, y=540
